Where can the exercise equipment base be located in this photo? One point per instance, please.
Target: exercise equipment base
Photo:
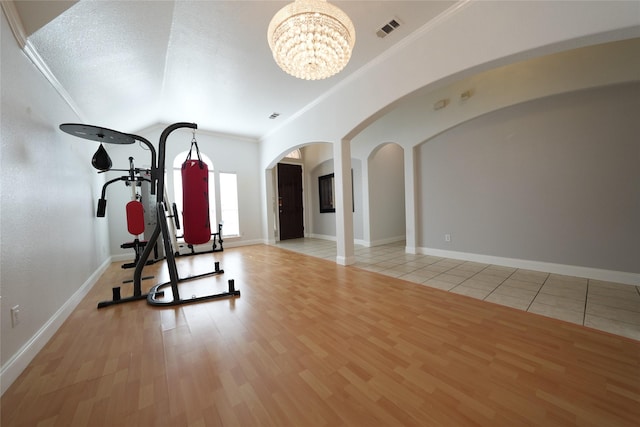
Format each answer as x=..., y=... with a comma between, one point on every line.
x=131, y=280
x=103, y=304
x=156, y=292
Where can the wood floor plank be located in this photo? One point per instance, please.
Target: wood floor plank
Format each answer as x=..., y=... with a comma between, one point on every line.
x=312, y=343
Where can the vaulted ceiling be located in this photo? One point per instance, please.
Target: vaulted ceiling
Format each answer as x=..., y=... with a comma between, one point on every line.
x=127, y=65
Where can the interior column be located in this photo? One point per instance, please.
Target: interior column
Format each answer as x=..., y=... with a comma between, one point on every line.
x=343, y=200
x=410, y=185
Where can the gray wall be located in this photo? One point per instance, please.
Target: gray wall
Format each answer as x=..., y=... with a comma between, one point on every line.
x=553, y=180
x=324, y=224
x=52, y=243
x=386, y=195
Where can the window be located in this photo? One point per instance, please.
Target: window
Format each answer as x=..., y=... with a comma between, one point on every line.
x=224, y=207
x=229, y=204
x=295, y=154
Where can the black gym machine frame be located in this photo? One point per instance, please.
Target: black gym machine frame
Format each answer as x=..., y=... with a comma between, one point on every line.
x=157, y=178
x=169, y=251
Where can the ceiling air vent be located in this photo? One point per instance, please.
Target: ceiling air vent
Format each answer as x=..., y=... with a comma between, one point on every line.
x=387, y=28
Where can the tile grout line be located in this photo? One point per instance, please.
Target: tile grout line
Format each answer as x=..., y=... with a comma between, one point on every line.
x=538, y=293
x=500, y=284
x=586, y=298
x=469, y=278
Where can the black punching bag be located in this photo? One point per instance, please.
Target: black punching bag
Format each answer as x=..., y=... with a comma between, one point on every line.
x=101, y=159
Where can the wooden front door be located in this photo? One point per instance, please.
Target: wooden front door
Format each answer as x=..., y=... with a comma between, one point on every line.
x=290, y=201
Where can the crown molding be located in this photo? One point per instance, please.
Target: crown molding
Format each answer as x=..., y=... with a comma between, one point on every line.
x=42, y=66
x=15, y=22
x=17, y=27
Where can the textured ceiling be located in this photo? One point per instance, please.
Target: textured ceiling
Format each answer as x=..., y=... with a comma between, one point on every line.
x=127, y=65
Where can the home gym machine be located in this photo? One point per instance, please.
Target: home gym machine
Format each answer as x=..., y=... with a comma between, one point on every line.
x=104, y=135
x=135, y=209
x=103, y=163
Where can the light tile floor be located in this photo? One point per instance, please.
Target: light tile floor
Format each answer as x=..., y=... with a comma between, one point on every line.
x=610, y=307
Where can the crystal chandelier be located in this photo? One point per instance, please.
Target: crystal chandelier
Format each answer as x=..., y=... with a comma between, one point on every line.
x=311, y=39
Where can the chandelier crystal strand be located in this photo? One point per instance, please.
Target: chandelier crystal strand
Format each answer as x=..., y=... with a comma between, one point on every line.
x=311, y=39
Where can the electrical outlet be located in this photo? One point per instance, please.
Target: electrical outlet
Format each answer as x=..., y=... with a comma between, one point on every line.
x=447, y=237
x=15, y=318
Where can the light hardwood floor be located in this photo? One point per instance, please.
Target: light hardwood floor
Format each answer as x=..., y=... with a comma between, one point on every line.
x=607, y=306
x=311, y=343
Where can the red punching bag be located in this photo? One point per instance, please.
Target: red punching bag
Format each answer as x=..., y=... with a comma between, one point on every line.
x=135, y=217
x=195, y=199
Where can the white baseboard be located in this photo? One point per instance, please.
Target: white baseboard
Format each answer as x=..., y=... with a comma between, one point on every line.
x=387, y=241
x=239, y=243
x=360, y=242
x=121, y=258
x=548, y=267
x=322, y=237
x=12, y=369
x=340, y=260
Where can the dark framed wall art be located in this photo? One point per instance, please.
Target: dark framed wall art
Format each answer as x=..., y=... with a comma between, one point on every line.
x=326, y=188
